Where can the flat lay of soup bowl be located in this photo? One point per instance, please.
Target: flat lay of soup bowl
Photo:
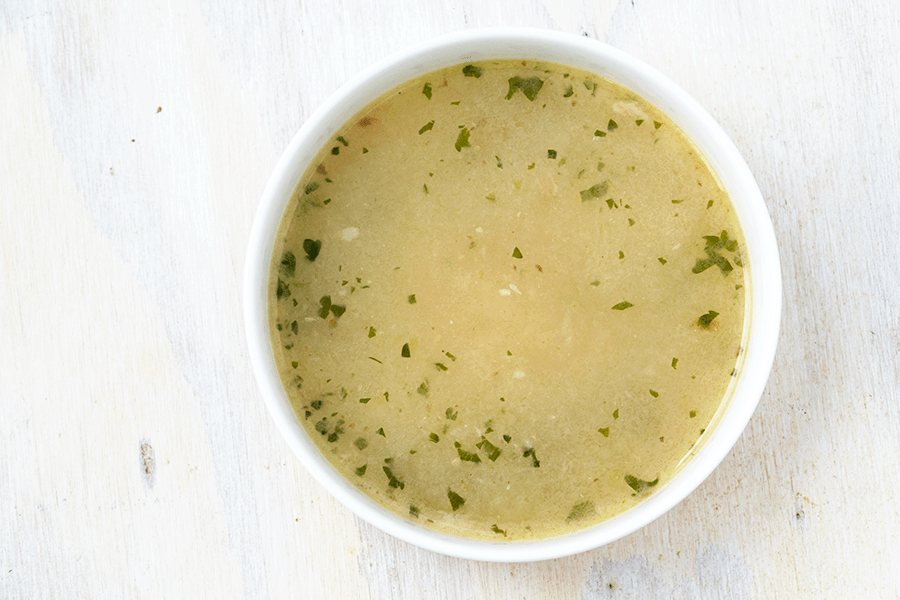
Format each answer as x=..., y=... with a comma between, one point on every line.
x=511, y=294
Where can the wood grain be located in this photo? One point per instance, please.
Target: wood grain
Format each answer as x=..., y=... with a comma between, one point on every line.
x=137, y=458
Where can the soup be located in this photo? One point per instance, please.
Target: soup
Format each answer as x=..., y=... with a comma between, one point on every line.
x=507, y=300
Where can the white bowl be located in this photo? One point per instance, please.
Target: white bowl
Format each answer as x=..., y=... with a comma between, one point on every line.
x=763, y=311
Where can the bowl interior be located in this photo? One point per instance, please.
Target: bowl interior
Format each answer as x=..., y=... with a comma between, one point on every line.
x=763, y=306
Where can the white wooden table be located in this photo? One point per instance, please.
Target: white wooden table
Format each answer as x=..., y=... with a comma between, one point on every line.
x=136, y=457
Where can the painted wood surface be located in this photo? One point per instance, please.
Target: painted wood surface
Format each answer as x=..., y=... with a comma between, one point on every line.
x=136, y=457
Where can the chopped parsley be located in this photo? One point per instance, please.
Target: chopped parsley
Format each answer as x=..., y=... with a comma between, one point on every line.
x=310, y=188
x=581, y=511
x=639, y=485
x=312, y=249
x=404, y=352
x=361, y=443
x=569, y=91
x=692, y=414
x=283, y=290
x=530, y=87
x=288, y=264
x=434, y=438
x=364, y=400
x=657, y=124
x=714, y=245
x=462, y=141
x=551, y=153
x=516, y=252
x=372, y=332
x=612, y=125
x=360, y=471
x=381, y=432
x=492, y=451
x=623, y=305
x=604, y=431
x=661, y=260
x=426, y=127
x=654, y=393
x=496, y=529
x=472, y=71
x=507, y=438
x=423, y=388
x=414, y=511
x=706, y=320
x=639, y=122
x=392, y=480
x=450, y=356
x=440, y=366
x=455, y=500
x=466, y=455
x=598, y=133
x=616, y=414
x=534, y=459
x=427, y=90
x=595, y=191
x=451, y=414
x=674, y=362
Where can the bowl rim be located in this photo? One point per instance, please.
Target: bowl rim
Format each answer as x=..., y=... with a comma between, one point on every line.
x=763, y=303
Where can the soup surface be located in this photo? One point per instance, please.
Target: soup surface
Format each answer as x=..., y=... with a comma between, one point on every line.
x=507, y=300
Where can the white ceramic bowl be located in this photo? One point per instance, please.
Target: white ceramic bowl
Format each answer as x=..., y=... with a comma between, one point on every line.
x=763, y=309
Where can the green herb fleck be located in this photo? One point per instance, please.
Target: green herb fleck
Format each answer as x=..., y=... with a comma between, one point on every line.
x=530, y=87
x=450, y=356
x=551, y=153
x=595, y=282
x=361, y=443
x=472, y=71
x=595, y=191
x=604, y=431
x=507, y=438
x=516, y=253
x=392, y=481
x=325, y=301
x=376, y=360
x=336, y=150
x=534, y=459
x=360, y=471
x=661, y=260
x=411, y=298
x=423, y=388
x=531, y=166
x=639, y=485
x=283, y=290
x=310, y=188
x=414, y=511
x=621, y=255
x=288, y=264
x=639, y=122
x=364, y=400
x=451, y=414
x=426, y=127
x=499, y=162
x=434, y=438
x=709, y=205
x=611, y=203
x=654, y=393
x=404, y=352
x=616, y=414
x=623, y=305
x=692, y=414
x=630, y=222
x=492, y=451
x=337, y=310
x=612, y=125
x=679, y=201
x=714, y=244
x=496, y=529
x=295, y=327
x=569, y=91
x=316, y=404
x=581, y=511
x=341, y=139
x=365, y=151
x=427, y=90
x=657, y=124
x=491, y=197
x=312, y=249
x=372, y=332
x=294, y=364
x=466, y=455
x=674, y=363
x=706, y=320
x=598, y=133
x=440, y=366
x=462, y=141
x=381, y=432
x=455, y=500
x=456, y=104
x=322, y=426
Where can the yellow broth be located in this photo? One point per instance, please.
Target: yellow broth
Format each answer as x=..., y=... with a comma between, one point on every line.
x=507, y=299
